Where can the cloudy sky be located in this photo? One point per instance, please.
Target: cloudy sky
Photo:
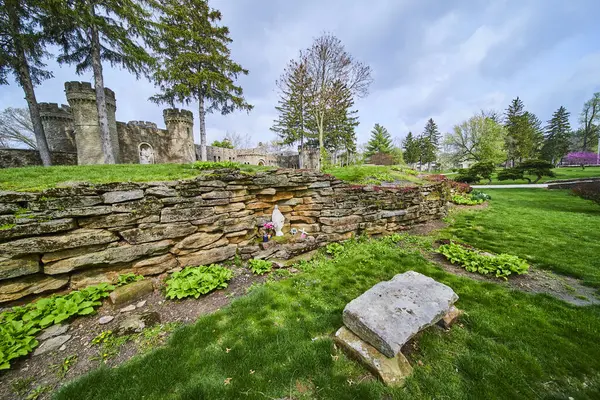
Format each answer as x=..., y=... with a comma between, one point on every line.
x=430, y=58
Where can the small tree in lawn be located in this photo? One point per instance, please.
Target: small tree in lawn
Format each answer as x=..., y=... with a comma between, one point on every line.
x=380, y=142
x=21, y=52
x=195, y=61
x=539, y=168
x=411, y=149
x=90, y=32
x=582, y=158
x=484, y=169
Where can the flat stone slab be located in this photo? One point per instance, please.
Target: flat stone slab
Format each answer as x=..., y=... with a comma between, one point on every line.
x=392, y=371
x=391, y=312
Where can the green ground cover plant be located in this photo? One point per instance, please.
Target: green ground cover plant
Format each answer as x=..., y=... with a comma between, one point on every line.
x=40, y=178
x=334, y=249
x=125, y=279
x=501, y=265
x=276, y=342
x=260, y=267
x=551, y=229
x=374, y=174
x=196, y=281
x=466, y=200
x=19, y=326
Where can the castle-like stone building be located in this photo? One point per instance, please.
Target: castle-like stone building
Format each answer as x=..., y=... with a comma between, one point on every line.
x=73, y=135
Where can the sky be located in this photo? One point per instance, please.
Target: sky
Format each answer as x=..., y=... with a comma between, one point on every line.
x=445, y=60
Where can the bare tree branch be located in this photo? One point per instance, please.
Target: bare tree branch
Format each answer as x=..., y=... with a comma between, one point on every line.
x=16, y=129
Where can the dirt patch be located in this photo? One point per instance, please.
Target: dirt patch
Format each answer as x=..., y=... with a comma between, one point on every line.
x=427, y=228
x=536, y=281
x=43, y=371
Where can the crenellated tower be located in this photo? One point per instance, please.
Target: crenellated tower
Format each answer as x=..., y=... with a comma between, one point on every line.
x=58, y=127
x=180, y=124
x=82, y=99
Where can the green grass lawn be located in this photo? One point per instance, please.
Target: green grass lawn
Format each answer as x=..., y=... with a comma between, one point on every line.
x=551, y=228
x=374, y=174
x=561, y=173
x=509, y=344
x=39, y=178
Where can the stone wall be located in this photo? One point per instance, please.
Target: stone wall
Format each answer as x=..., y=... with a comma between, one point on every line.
x=75, y=236
x=14, y=158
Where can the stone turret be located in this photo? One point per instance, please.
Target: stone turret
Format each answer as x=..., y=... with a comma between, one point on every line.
x=82, y=99
x=58, y=127
x=180, y=125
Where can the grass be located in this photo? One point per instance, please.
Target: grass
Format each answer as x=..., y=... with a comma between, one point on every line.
x=374, y=174
x=40, y=178
x=550, y=228
x=276, y=343
x=561, y=173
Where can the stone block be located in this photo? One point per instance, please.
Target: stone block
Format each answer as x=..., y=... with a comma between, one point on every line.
x=195, y=242
x=109, y=221
x=161, y=191
x=217, y=194
x=337, y=221
x=155, y=265
x=121, y=196
x=233, y=207
x=38, y=228
x=205, y=257
x=339, y=228
x=34, y=284
x=268, y=191
x=48, y=244
x=110, y=256
x=185, y=214
x=158, y=232
x=15, y=267
x=131, y=293
x=450, y=318
x=308, y=228
x=59, y=255
x=391, y=312
x=136, y=323
x=391, y=371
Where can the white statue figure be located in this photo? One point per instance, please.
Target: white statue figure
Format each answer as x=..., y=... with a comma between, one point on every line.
x=277, y=219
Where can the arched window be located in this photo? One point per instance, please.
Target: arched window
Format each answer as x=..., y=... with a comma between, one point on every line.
x=146, y=153
x=219, y=158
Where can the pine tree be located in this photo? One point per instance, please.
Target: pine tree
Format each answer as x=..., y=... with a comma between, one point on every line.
x=90, y=32
x=524, y=133
x=558, y=136
x=340, y=123
x=195, y=61
x=21, y=54
x=411, y=149
x=430, y=142
x=294, y=117
x=513, y=123
x=432, y=133
x=380, y=142
x=426, y=151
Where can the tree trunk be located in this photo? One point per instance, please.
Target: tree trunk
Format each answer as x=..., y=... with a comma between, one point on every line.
x=24, y=77
x=107, y=145
x=201, y=116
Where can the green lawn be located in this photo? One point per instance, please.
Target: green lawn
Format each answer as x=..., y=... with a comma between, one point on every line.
x=551, y=228
x=509, y=344
x=374, y=174
x=39, y=178
x=561, y=173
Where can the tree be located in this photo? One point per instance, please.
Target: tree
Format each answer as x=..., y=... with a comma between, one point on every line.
x=16, y=128
x=22, y=49
x=432, y=133
x=582, y=158
x=539, y=168
x=293, y=119
x=239, y=141
x=513, y=124
x=427, y=151
x=524, y=133
x=195, y=62
x=225, y=143
x=340, y=124
x=90, y=32
x=411, y=149
x=479, y=139
x=558, y=136
x=380, y=142
x=590, y=122
x=329, y=65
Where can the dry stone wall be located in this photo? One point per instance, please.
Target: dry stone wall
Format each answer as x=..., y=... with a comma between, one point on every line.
x=75, y=236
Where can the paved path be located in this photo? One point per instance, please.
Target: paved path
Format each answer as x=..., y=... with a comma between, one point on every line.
x=516, y=186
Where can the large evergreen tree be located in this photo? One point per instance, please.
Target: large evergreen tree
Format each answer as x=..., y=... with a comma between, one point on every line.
x=429, y=142
x=90, y=32
x=432, y=132
x=427, y=151
x=411, y=148
x=195, y=61
x=524, y=133
x=380, y=142
x=341, y=121
x=558, y=136
x=513, y=122
x=22, y=49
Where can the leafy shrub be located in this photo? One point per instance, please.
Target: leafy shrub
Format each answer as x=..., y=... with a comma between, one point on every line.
x=511, y=174
x=466, y=176
x=334, y=249
x=460, y=187
x=125, y=279
x=501, y=265
x=463, y=200
x=404, y=170
x=19, y=325
x=539, y=168
x=477, y=195
x=483, y=169
x=260, y=267
x=196, y=281
x=204, y=165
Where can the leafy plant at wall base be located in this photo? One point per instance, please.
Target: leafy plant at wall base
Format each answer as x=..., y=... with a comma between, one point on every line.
x=196, y=281
x=501, y=265
x=334, y=249
x=19, y=325
x=477, y=195
x=465, y=200
x=260, y=267
x=125, y=279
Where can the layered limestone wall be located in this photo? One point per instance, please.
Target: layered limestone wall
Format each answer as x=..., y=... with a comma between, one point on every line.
x=76, y=236
x=14, y=158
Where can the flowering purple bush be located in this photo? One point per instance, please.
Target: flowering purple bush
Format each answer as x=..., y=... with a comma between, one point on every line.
x=582, y=158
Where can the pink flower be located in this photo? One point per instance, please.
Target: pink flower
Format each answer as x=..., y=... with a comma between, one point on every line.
x=268, y=225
